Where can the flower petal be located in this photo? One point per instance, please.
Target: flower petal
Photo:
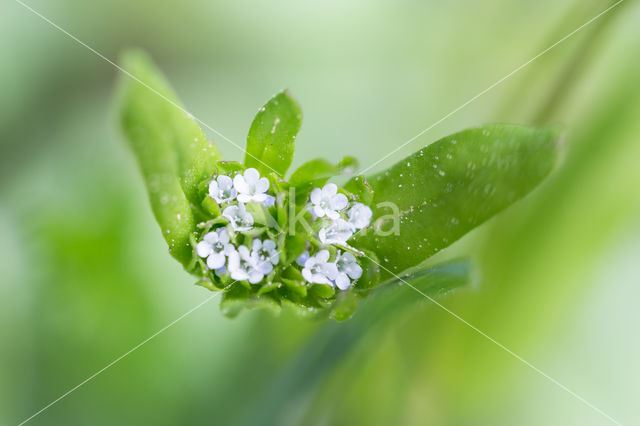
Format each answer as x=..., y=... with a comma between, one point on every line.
x=223, y=236
x=354, y=271
x=307, y=275
x=255, y=277
x=302, y=259
x=213, y=188
x=322, y=256
x=269, y=201
x=230, y=213
x=264, y=267
x=339, y=202
x=244, y=198
x=239, y=275
x=243, y=251
x=330, y=270
x=240, y=184
x=342, y=281
x=259, y=198
x=322, y=235
x=225, y=182
x=330, y=189
x=203, y=249
x=211, y=237
x=316, y=196
x=251, y=176
x=331, y=214
x=318, y=211
x=320, y=279
x=215, y=260
x=234, y=260
x=262, y=185
x=268, y=245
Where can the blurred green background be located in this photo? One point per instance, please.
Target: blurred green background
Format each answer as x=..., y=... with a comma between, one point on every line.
x=85, y=275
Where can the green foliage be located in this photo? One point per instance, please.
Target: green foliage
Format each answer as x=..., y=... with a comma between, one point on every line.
x=272, y=136
x=331, y=343
x=450, y=187
x=317, y=172
x=173, y=152
x=439, y=193
x=360, y=189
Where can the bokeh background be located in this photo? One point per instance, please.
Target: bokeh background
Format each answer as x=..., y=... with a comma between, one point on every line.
x=85, y=275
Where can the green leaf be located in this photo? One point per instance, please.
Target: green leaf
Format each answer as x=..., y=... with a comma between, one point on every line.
x=345, y=306
x=229, y=167
x=234, y=300
x=316, y=172
x=370, y=271
x=210, y=206
x=360, y=188
x=323, y=290
x=433, y=280
x=453, y=185
x=332, y=342
x=272, y=135
x=268, y=287
x=295, y=245
x=173, y=152
x=296, y=287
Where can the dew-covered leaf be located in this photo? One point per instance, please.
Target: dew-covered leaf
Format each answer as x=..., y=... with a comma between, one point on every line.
x=272, y=136
x=173, y=152
x=360, y=189
x=448, y=188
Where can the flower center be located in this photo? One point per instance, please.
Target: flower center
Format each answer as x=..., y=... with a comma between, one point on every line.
x=244, y=265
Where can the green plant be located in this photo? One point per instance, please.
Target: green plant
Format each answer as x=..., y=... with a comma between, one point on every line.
x=265, y=240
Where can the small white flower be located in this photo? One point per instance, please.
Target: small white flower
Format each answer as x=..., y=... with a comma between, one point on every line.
x=338, y=232
x=221, y=189
x=269, y=201
x=251, y=187
x=327, y=201
x=359, y=216
x=302, y=258
x=317, y=269
x=265, y=255
x=215, y=247
x=239, y=217
x=242, y=266
x=347, y=268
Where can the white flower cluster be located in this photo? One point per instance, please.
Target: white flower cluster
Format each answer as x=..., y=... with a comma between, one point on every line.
x=242, y=263
x=245, y=188
x=318, y=269
x=327, y=202
x=339, y=222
